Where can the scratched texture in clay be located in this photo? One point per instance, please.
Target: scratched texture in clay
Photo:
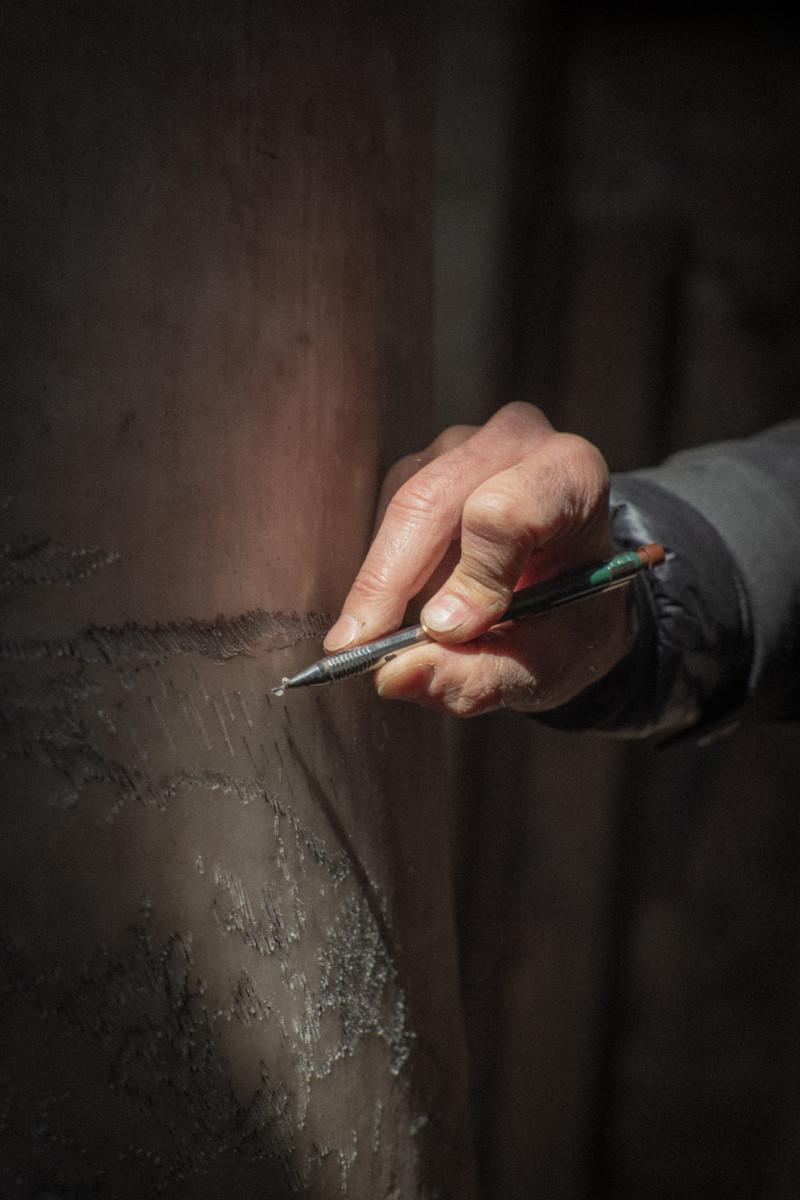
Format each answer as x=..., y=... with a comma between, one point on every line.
x=187, y=1007
x=228, y=955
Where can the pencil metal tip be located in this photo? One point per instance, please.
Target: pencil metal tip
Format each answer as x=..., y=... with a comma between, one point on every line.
x=282, y=686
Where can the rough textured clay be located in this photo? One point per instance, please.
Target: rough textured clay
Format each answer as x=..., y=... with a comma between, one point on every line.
x=227, y=958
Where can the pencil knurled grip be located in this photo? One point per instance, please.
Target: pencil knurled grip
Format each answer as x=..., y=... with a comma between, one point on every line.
x=350, y=662
x=624, y=565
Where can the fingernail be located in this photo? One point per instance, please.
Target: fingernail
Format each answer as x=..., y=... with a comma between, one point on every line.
x=342, y=633
x=444, y=614
x=406, y=683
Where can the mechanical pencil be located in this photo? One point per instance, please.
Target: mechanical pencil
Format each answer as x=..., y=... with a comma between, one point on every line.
x=527, y=602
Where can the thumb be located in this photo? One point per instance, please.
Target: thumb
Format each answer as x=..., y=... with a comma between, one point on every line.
x=554, y=493
x=494, y=550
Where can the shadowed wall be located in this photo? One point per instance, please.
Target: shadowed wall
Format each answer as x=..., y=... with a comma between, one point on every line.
x=623, y=242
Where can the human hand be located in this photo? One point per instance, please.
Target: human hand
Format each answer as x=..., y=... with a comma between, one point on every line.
x=482, y=511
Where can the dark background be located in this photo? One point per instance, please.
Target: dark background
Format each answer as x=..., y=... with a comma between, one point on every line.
x=234, y=198
x=617, y=242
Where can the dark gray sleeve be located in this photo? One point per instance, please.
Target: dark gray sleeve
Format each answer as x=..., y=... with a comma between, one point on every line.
x=719, y=624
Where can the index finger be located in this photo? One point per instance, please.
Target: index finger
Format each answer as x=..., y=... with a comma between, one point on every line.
x=407, y=467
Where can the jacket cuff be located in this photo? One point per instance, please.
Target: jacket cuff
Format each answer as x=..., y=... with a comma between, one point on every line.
x=688, y=672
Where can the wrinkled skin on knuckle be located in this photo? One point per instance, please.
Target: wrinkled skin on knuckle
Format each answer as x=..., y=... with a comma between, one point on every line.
x=369, y=586
x=420, y=499
x=477, y=679
x=586, y=477
x=497, y=515
x=496, y=543
x=413, y=495
x=470, y=696
x=407, y=468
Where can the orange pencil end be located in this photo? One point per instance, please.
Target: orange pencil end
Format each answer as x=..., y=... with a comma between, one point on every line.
x=651, y=555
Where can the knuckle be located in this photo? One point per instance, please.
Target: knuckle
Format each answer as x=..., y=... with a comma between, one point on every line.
x=451, y=438
x=587, y=467
x=522, y=409
x=496, y=516
x=401, y=471
x=478, y=690
x=470, y=704
x=417, y=500
x=370, y=584
x=464, y=701
x=522, y=417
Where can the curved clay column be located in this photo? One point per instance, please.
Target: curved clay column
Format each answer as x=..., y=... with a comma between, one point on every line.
x=227, y=957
